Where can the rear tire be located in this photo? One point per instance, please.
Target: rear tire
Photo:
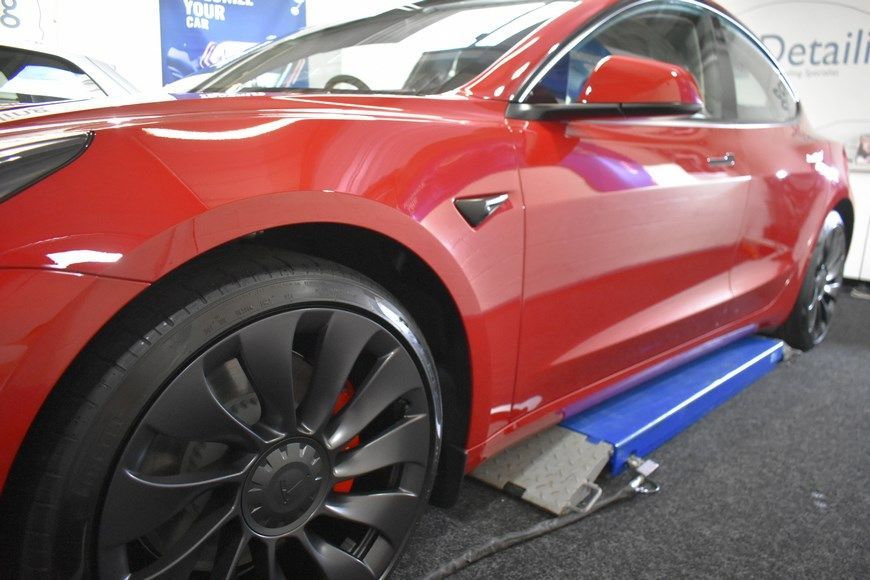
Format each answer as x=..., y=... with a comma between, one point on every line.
x=811, y=317
x=259, y=413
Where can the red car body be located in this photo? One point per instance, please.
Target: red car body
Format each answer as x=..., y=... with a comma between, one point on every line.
x=619, y=251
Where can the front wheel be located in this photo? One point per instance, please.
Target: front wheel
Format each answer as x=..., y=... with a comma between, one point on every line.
x=284, y=424
x=811, y=318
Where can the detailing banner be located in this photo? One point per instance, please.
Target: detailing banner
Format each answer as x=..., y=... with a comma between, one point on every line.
x=197, y=35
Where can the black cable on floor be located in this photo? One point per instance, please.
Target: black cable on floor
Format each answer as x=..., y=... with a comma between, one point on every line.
x=501, y=543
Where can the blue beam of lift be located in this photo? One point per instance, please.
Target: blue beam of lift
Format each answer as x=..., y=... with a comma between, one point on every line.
x=639, y=421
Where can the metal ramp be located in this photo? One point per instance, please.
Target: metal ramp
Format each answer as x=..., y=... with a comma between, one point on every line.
x=556, y=468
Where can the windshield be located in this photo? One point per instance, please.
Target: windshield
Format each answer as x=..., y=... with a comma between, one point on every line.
x=423, y=48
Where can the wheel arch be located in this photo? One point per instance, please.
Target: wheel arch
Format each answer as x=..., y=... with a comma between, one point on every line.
x=378, y=240
x=423, y=293
x=391, y=264
x=847, y=211
x=837, y=200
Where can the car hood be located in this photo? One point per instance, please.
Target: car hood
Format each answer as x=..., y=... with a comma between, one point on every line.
x=205, y=170
x=23, y=116
x=96, y=114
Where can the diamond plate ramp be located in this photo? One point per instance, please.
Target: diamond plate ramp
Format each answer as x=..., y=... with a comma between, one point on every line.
x=550, y=469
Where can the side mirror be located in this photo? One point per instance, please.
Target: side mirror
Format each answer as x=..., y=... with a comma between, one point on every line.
x=624, y=86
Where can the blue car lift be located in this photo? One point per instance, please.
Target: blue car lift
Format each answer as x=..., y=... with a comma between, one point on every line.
x=554, y=469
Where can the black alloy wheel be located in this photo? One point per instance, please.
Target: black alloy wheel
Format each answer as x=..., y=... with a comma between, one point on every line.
x=300, y=441
x=811, y=318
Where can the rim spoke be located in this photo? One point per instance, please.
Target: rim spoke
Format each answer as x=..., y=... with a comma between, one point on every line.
x=826, y=246
x=835, y=261
x=189, y=410
x=332, y=561
x=342, y=342
x=140, y=503
x=390, y=513
x=827, y=309
x=230, y=548
x=406, y=442
x=188, y=547
x=266, y=560
x=813, y=311
x=181, y=570
x=267, y=352
x=829, y=277
x=394, y=375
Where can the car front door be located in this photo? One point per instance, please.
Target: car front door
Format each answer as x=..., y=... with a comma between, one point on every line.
x=632, y=223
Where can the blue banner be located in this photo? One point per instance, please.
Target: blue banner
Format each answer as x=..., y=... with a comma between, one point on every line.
x=197, y=35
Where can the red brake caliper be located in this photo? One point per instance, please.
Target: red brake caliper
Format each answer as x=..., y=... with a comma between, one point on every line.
x=343, y=398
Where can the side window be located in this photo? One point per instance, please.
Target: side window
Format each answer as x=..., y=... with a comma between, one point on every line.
x=760, y=92
x=680, y=35
x=33, y=77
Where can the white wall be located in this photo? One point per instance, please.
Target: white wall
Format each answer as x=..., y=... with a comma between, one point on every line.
x=123, y=34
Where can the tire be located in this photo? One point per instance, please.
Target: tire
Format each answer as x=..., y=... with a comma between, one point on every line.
x=810, y=319
x=257, y=413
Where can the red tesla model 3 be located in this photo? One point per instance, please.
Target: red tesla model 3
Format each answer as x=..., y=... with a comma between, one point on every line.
x=247, y=332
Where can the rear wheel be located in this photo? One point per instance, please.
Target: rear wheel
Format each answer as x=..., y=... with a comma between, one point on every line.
x=811, y=318
x=286, y=423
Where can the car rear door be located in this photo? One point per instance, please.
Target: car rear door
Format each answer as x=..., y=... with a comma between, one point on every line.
x=632, y=223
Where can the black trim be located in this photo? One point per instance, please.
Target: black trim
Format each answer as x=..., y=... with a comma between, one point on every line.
x=659, y=109
x=475, y=210
x=451, y=473
x=513, y=489
x=23, y=165
x=560, y=112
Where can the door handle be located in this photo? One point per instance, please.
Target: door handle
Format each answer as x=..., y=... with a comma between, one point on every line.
x=727, y=160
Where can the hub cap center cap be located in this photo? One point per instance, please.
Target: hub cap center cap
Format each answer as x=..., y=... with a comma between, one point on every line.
x=285, y=486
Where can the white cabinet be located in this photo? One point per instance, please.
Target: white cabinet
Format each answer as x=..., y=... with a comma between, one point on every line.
x=858, y=263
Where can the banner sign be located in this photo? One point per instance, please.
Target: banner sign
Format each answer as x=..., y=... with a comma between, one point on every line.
x=200, y=34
